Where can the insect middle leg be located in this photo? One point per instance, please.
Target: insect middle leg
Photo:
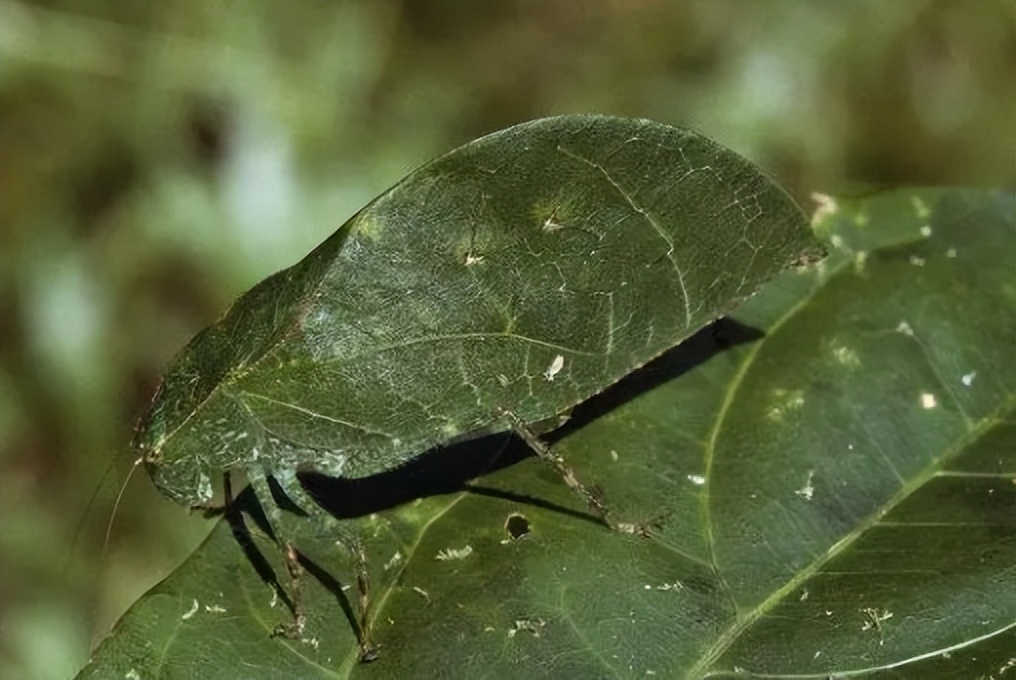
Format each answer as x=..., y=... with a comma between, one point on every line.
x=329, y=525
x=262, y=489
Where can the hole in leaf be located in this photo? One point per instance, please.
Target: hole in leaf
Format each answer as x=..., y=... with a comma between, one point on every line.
x=516, y=526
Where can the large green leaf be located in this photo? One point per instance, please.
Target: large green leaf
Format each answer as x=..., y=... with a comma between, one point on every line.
x=831, y=475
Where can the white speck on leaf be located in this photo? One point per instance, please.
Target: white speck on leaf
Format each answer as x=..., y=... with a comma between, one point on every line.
x=926, y=231
x=928, y=400
x=860, y=260
x=421, y=592
x=613, y=455
x=549, y=225
x=804, y=595
x=968, y=379
x=205, y=487
x=905, y=328
x=215, y=609
x=846, y=356
x=786, y=400
x=532, y=626
x=951, y=253
x=192, y=611
x=555, y=367
x=917, y=261
x=132, y=675
x=454, y=553
x=473, y=259
x=873, y=618
x=807, y=491
x=697, y=480
x=395, y=559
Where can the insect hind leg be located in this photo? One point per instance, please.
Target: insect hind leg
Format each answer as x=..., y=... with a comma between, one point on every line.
x=591, y=496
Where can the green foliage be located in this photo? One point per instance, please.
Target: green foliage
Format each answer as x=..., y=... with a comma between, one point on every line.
x=829, y=477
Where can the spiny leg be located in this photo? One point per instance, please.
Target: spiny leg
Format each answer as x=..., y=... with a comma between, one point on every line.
x=234, y=516
x=262, y=489
x=590, y=495
x=291, y=486
x=546, y=454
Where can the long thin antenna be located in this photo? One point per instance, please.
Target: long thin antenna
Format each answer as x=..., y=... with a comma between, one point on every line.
x=116, y=504
x=88, y=511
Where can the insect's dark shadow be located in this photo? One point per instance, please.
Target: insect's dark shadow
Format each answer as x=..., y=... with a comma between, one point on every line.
x=441, y=470
x=450, y=468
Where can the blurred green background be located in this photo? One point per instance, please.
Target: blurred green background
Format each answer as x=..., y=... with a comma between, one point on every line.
x=158, y=158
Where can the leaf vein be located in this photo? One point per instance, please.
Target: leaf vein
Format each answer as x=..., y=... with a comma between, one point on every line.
x=652, y=222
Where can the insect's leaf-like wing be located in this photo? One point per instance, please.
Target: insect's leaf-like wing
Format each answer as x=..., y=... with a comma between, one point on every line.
x=525, y=271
